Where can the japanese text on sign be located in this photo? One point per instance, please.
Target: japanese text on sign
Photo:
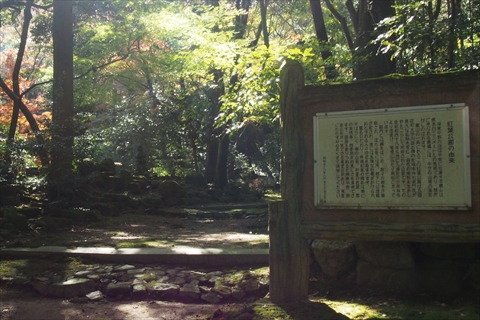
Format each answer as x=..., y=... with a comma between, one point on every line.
x=407, y=157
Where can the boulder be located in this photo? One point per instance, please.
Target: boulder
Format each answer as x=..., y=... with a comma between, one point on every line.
x=66, y=289
x=119, y=289
x=373, y=276
x=172, y=193
x=224, y=291
x=237, y=293
x=139, y=292
x=211, y=297
x=95, y=295
x=190, y=292
x=334, y=257
x=160, y=290
x=394, y=255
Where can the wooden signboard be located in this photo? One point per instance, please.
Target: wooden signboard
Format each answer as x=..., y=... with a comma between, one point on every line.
x=383, y=160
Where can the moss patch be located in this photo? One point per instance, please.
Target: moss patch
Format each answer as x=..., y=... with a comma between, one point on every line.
x=395, y=309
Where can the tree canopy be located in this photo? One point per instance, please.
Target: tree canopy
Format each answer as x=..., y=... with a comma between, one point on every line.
x=179, y=78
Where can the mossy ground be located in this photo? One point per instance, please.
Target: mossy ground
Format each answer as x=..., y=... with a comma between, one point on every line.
x=360, y=308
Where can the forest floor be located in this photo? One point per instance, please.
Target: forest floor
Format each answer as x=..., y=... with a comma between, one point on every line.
x=231, y=228
x=183, y=228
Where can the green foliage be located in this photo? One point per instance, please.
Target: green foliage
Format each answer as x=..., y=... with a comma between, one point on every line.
x=171, y=76
x=423, y=42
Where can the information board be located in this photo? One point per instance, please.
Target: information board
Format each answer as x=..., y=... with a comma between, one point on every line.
x=393, y=158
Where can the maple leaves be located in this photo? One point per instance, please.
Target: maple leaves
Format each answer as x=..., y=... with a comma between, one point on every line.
x=34, y=100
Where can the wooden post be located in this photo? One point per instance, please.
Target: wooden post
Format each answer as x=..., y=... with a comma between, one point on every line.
x=289, y=255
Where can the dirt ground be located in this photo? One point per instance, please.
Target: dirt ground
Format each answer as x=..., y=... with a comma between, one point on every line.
x=132, y=230
x=45, y=308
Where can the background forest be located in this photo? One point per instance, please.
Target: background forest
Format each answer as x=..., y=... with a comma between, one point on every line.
x=181, y=88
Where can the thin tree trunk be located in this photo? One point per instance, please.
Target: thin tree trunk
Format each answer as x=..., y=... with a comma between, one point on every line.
x=322, y=37
x=452, y=38
x=343, y=23
x=27, y=17
x=263, y=13
x=221, y=171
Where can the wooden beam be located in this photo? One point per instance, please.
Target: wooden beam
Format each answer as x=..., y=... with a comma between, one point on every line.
x=414, y=232
x=289, y=254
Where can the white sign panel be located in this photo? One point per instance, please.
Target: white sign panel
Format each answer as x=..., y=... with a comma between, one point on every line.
x=396, y=158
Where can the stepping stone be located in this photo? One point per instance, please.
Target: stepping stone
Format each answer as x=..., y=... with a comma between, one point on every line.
x=136, y=271
x=95, y=295
x=137, y=281
x=213, y=279
x=237, y=293
x=124, y=267
x=249, y=285
x=119, y=289
x=212, y=297
x=139, y=292
x=68, y=289
x=189, y=291
x=178, y=280
x=161, y=290
x=82, y=274
x=224, y=291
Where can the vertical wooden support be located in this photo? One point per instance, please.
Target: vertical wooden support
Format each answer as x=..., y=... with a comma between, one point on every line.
x=289, y=256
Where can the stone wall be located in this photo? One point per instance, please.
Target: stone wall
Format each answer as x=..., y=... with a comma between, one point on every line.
x=442, y=270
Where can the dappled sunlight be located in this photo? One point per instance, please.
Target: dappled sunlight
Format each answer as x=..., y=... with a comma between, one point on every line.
x=127, y=237
x=354, y=310
x=227, y=237
x=132, y=231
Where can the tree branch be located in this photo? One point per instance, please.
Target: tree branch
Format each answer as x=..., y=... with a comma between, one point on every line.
x=16, y=5
x=16, y=99
x=258, y=33
x=27, y=17
x=92, y=69
x=353, y=15
x=343, y=23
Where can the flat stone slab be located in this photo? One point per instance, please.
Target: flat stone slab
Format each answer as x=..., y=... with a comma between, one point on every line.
x=174, y=255
x=227, y=206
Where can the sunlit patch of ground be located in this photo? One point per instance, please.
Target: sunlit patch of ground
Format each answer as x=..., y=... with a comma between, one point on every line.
x=129, y=231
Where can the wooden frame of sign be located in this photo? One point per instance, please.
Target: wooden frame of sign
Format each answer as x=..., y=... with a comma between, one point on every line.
x=434, y=196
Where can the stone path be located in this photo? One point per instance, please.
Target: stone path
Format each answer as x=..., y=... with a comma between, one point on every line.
x=173, y=255
x=152, y=282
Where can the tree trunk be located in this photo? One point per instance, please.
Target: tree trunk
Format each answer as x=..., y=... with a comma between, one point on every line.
x=62, y=109
x=322, y=37
x=371, y=63
x=211, y=136
x=27, y=17
x=263, y=13
x=221, y=171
